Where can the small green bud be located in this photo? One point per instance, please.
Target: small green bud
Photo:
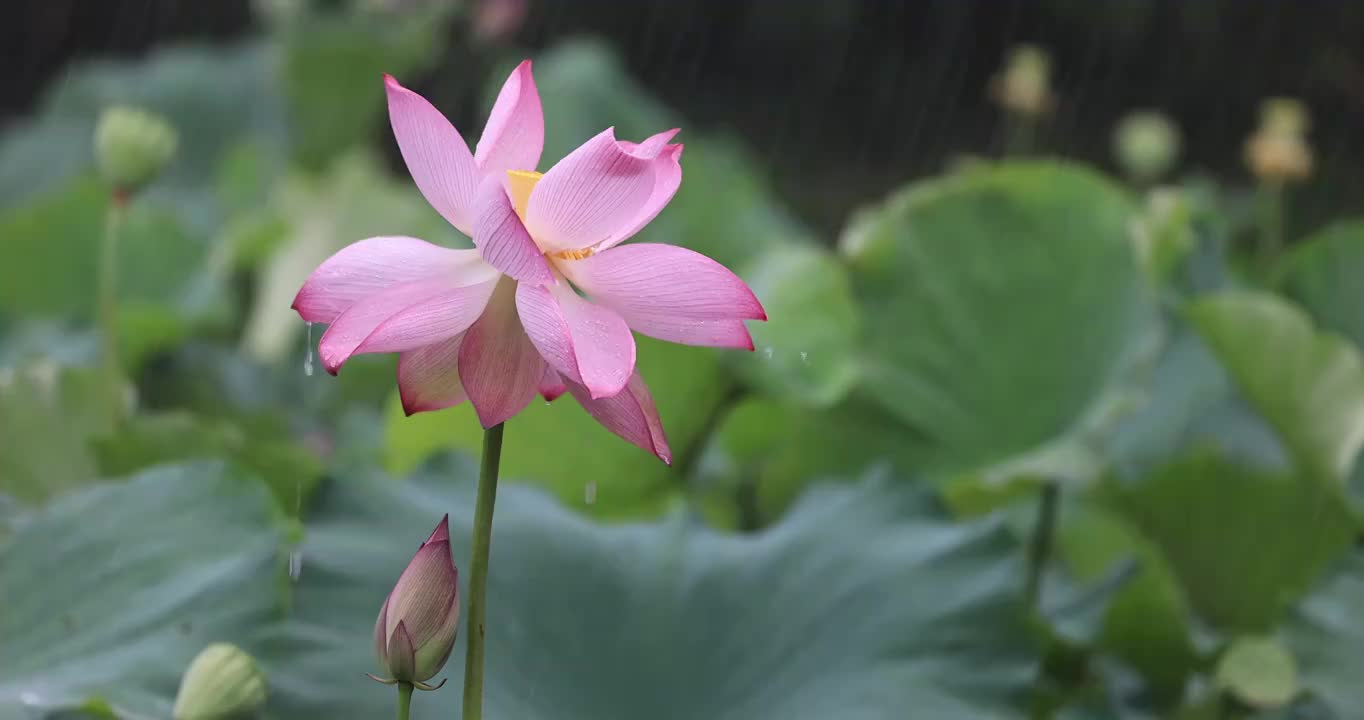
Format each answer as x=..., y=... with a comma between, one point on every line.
x=1146, y=144
x=222, y=683
x=132, y=147
x=1284, y=116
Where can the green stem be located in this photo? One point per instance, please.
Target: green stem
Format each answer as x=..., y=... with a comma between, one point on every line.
x=478, y=572
x=404, y=699
x=1271, y=221
x=1039, y=548
x=106, y=306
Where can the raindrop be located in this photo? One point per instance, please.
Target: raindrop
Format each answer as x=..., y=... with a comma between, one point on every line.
x=768, y=352
x=590, y=492
x=295, y=564
x=308, y=358
x=805, y=357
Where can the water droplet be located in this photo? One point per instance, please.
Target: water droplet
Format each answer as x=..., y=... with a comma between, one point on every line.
x=30, y=698
x=308, y=358
x=590, y=492
x=805, y=357
x=768, y=352
x=295, y=564
x=548, y=403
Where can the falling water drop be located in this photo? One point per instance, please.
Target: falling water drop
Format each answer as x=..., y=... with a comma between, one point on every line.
x=590, y=492
x=308, y=358
x=295, y=564
x=805, y=357
x=768, y=352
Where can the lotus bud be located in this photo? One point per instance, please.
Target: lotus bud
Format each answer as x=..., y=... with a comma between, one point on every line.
x=1024, y=85
x=418, y=621
x=132, y=147
x=222, y=683
x=1147, y=145
x=1278, y=151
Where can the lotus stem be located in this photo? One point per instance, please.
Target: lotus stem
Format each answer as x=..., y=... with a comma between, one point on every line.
x=1039, y=548
x=404, y=699
x=478, y=572
x=1271, y=221
x=106, y=304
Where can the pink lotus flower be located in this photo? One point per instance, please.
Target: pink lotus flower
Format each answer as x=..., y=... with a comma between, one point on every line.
x=501, y=322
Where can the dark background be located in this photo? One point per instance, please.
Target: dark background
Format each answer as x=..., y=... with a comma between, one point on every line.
x=847, y=99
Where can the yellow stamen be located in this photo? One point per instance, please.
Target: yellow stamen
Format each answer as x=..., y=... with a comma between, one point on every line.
x=521, y=183
x=575, y=254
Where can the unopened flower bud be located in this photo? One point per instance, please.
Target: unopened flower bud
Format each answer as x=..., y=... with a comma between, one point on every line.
x=1278, y=151
x=132, y=147
x=1024, y=84
x=222, y=683
x=1146, y=144
x=417, y=624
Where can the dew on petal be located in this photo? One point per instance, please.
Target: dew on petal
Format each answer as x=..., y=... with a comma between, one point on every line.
x=308, y=358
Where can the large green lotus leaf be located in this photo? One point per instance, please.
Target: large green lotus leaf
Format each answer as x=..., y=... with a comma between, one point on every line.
x=862, y=603
x=559, y=446
x=778, y=449
x=1146, y=622
x=291, y=471
x=1326, y=635
x=1308, y=385
x=214, y=96
x=806, y=351
x=110, y=592
x=1325, y=273
x=1001, y=306
x=48, y=415
x=1244, y=543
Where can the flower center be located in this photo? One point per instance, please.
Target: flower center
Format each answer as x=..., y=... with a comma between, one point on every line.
x=521, y=183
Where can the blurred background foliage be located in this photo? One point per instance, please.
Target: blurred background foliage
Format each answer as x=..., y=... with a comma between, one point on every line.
x=1032, y=431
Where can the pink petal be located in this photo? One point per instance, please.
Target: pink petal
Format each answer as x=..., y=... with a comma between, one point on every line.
x=670, y=293
x=402, y=654
x=428, y=377
x=630, y=414
x=586, y=343
x=381, y=633
x=502, y=238
x=437, y=318
x=593, y=194
x=667, y=178
x=351, y=327
x=498, y=365
x=435, y=153
x=368, y=266
x=423, y=592
x=552, y=385
x=515, y=133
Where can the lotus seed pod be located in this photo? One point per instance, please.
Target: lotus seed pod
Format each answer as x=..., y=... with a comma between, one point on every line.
x=132, y=147
x=1278, y=151
x=1147, y=145
x=222, y=683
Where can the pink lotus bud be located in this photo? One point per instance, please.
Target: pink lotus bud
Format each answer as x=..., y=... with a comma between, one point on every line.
x=417, y=624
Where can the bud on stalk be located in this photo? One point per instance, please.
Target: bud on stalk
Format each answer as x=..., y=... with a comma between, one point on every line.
x=417, y=624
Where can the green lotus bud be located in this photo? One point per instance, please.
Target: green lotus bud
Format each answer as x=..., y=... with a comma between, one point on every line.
x=222, y=683
x=417, y=624
x=1024, y=84
x=132, y=147
x=1146, y=144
